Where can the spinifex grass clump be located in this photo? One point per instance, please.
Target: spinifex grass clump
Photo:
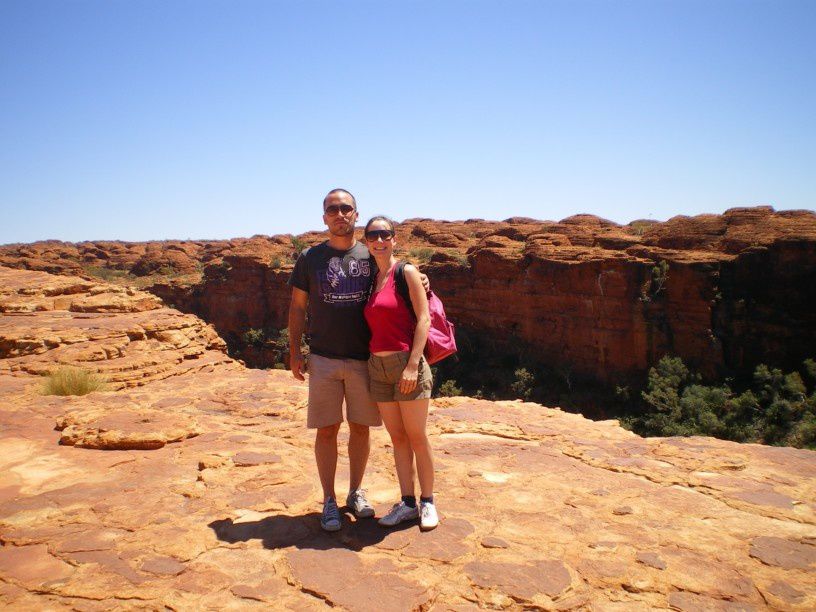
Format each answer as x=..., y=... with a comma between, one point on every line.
x=67, y=380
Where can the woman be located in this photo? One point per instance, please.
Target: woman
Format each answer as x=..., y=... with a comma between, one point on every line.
x=400, y=377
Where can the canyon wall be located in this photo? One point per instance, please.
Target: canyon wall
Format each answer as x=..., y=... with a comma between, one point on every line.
x=584, y=295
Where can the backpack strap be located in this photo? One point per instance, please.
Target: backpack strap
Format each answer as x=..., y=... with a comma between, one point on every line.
x=402, y=286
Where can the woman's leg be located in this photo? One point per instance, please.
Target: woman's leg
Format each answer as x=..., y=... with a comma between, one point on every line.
x=414, y=417
x=403, y=455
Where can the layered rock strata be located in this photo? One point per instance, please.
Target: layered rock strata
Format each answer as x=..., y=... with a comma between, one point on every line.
x=126, y=336
x=540, y=509
x=584, y=295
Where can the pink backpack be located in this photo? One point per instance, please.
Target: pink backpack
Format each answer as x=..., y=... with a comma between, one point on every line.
x=441, y=340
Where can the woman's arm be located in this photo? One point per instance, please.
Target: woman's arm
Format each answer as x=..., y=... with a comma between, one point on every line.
x=423, y=323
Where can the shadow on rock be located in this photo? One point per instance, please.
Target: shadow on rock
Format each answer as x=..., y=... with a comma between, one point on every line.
x=304, y=532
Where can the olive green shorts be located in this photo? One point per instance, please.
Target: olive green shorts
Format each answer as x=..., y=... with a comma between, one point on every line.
x=385, y=373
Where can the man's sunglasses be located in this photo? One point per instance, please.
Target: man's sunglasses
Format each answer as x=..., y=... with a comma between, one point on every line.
x=333, y=209
x=372, y=235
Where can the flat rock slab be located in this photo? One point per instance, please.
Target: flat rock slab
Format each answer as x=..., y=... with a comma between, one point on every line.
x=140, y=429
x=521, y=581
x=357, y=586
x=783, y=553
x=249, y=458
x=32, y=566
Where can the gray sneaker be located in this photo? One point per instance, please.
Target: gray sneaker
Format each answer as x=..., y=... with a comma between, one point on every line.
x=399, y=512
x=359, y=505
x=330, y=519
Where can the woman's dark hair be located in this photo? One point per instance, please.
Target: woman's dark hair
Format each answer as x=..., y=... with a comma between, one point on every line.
x=380, y=218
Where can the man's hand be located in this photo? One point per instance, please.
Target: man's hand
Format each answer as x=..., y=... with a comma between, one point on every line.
x=297, y=324
x=426, y=284
x=298, y=365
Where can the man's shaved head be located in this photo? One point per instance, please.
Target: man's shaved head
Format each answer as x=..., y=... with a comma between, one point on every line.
x=340, y=190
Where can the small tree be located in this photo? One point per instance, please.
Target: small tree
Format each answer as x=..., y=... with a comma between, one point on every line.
x=523, y=384
x=660, y=276
x=255, y=337
x=298, y=245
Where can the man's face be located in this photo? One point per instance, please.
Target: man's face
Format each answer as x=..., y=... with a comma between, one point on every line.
x=339, y=214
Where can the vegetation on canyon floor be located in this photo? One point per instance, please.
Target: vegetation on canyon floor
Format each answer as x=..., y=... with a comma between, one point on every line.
x=67, y=380
x=778, y=408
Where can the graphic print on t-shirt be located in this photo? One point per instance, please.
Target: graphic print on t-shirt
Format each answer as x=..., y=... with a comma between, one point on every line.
x=339, y=286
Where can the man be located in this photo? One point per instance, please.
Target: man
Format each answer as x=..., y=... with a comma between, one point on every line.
x=332, y=280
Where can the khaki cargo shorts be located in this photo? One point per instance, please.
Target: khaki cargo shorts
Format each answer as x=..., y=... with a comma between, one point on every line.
x=330, y=382
x=385, y=373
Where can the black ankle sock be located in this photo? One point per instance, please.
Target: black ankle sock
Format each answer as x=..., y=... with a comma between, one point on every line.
x=410, y=500
x=426, y=500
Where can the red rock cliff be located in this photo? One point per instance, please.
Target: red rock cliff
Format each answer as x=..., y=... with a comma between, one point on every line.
x=585, y=294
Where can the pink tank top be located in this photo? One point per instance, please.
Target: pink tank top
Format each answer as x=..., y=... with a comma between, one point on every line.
x=390, y=321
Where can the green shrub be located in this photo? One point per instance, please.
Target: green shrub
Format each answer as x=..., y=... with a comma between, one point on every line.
x=523, y=384
x=298, y=244
x=68, y=380
x=420, y=255
x=449, y=389
x=659, y=276
x=461, y=258
x=809, y=371
x=108, y=274
x=623, y=394
x=255, y=337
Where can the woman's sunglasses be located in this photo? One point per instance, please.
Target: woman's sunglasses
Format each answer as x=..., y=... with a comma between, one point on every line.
x=333, y=209
x=373, y=235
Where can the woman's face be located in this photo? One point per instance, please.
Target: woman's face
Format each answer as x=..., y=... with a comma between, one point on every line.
x=380, y=238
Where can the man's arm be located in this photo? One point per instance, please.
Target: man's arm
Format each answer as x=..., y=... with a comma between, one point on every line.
x=297, y=325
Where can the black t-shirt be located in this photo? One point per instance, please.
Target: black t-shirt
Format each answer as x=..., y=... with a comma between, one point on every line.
x=338, y=284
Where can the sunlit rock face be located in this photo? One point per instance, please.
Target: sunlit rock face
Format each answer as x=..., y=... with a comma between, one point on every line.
x=584, y=294
x=190, y=484
x=126, y=336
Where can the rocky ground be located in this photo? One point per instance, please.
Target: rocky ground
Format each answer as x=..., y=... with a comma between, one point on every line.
x=189, y=484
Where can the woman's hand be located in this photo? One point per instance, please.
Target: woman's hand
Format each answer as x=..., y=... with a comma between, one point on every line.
x=408, y=381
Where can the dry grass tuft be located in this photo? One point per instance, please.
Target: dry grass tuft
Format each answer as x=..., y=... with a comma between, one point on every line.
x=67, y=380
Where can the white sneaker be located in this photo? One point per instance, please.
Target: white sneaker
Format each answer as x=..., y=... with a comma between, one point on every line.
x=428, y=519
x=399, y=512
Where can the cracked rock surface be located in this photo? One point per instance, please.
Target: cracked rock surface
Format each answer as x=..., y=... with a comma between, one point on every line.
x=540, y=509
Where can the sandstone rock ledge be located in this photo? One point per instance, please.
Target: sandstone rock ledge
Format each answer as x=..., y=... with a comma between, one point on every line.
x=541, y=509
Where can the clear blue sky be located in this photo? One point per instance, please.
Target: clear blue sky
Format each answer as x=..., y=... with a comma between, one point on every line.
x=197, y=119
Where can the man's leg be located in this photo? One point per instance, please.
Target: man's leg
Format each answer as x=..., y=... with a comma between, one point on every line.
x=326, y=457
x=359, y=447
x=361, y=413
x=325, y=414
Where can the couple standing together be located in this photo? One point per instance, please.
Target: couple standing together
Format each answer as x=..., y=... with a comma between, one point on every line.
x=366, y=345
